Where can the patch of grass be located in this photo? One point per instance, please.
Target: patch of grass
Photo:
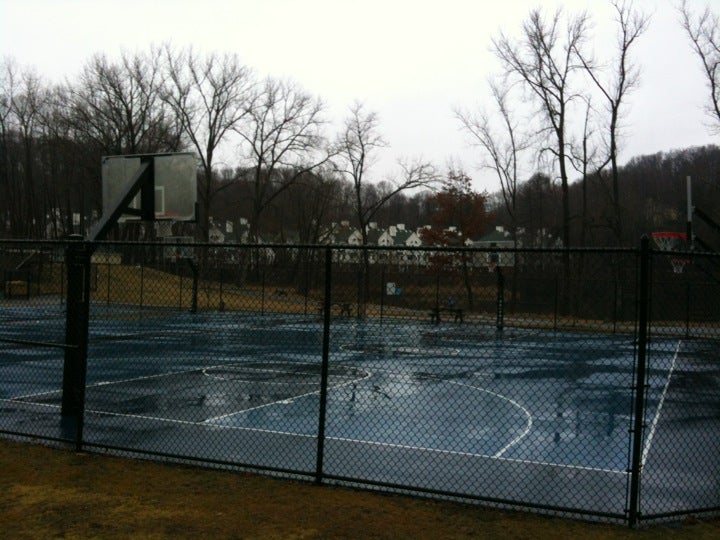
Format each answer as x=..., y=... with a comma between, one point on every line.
x=136, y=285
x=48, y=492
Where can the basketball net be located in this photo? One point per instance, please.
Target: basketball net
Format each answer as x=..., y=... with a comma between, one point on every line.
x=164, y=228
x=672, y=241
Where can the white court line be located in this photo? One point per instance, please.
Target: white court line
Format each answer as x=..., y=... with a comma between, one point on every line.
x=498, y=454
x=179, y=372
x=37, y=394
x=646, y=450
x=15, y=401
x=528, y=426
x=145, y=417
x=130, y=380
x=471, y=454
x=311, y=378
x=360, y=441
x=368, y=374
x=206, y=423
x=105, y=383
x=202, y=424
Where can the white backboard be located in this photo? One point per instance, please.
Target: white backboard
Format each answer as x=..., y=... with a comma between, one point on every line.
x=175, y=184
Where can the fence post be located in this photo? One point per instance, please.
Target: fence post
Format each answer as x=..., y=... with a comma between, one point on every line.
x=325, y=367
x=500, y=303
x=687, y=310
x=222, y=277
x=615, y=305
x=76, y=336
x=640, y=383
x=142, y=277
x=195, y=269
x=262, y=292
x=307, y=286
x=181, y=291
x=62, y=282
x=382, y=293
x=555, y=305
x=107, y=300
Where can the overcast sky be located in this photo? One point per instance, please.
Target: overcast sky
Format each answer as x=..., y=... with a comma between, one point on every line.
x=412, y=62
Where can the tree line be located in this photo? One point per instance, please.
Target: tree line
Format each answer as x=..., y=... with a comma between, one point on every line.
x=552, y=137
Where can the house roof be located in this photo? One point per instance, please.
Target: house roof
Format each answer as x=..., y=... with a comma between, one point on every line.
x=495, y=236
x=342, y=234
x=402, y=237
x=373, y=235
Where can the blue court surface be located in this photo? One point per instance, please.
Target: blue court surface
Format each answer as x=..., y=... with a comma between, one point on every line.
x=536, y=416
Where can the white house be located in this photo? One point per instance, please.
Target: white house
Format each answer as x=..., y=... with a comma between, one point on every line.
x=404, y=238
x=496, y=239
x=341, y=234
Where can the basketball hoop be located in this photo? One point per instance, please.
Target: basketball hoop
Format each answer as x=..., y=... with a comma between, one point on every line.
x=679, y=265
x=672, y=241
x=163, y=227
x=492, y=261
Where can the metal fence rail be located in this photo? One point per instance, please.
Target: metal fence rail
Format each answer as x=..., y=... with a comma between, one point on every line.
x=583, y=381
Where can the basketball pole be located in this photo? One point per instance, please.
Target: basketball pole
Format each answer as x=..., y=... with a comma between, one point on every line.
x=689, y=231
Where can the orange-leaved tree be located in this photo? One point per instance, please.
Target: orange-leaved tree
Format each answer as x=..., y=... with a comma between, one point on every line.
x=459, y=215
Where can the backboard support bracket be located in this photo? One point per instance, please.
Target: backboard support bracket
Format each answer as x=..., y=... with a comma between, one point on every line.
x=142, y=182
x=147, y=187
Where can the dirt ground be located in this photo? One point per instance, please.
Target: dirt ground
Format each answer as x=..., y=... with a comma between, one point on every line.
x=54, y=493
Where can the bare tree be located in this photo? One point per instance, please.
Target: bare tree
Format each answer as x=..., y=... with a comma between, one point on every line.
x=65, y=188
x=502, y=146
x=704, y=33
x=117, y=108
x=210, y=96
x=310, y=202
x=26, y=104
x=356, y=147
x=583, y=158
x=540, y=211
x=37, y=157
x=10, y=198
x=282, y=139
x=307, y=209
x=625, y=77
x=543, y=60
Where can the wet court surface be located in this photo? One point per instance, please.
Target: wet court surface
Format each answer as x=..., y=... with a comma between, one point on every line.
x=530, y=415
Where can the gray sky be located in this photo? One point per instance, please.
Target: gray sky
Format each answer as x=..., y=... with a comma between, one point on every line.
x=412, y=62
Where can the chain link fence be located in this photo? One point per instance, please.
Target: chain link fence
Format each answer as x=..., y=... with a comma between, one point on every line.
x=581, y=382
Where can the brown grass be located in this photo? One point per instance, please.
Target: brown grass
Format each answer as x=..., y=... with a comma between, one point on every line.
x=51, y=493
x=127, y=284
x=150, y=287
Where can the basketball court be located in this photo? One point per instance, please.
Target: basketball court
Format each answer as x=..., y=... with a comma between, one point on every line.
x=446, y=406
